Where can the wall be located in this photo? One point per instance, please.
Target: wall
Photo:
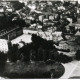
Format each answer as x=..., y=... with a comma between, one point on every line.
x=3, y=45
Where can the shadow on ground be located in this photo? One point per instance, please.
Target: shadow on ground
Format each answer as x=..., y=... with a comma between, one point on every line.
x=22, y=70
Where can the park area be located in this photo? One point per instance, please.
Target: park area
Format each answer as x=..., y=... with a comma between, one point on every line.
x=31, y=70
x=48, y=69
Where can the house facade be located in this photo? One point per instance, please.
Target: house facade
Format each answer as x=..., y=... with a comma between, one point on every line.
x=57, y=36
x=65, y=45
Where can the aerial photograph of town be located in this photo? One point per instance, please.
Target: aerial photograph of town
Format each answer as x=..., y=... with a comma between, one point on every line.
x=39, y=39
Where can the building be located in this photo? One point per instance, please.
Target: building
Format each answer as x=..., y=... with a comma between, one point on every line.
x=41, y=18
x=51, y=17
x=11, y=33
x=23, y=1
x=70, y=20
x=57, y=36
x=65, y=45
x=77, y=26
x=77, y=34
x=3, y=45
x=1, y=9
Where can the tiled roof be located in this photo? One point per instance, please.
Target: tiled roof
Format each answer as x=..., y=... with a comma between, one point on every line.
x=69, y=43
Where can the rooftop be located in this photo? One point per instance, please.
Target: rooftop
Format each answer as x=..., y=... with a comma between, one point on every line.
x=77, y=33
x=72, y=43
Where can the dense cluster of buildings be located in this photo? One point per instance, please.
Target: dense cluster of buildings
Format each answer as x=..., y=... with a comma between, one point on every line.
x=8, y=31
x=48, y=19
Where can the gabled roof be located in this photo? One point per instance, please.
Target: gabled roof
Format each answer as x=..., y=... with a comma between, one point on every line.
x=77, y=33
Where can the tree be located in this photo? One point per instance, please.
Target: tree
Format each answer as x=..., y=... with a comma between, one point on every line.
x=27, y=10
x=64, y=58
x=37, y=3
x=3, y=57
x=66, y=3
x=12, y=54
x=19, y=22
x=17, y=5
x=77, y=55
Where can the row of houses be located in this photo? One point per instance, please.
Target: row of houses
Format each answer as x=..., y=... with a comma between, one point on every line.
x=72, y=46
x=11, y=33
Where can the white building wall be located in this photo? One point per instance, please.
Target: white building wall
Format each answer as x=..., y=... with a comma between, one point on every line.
x=3, y=45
